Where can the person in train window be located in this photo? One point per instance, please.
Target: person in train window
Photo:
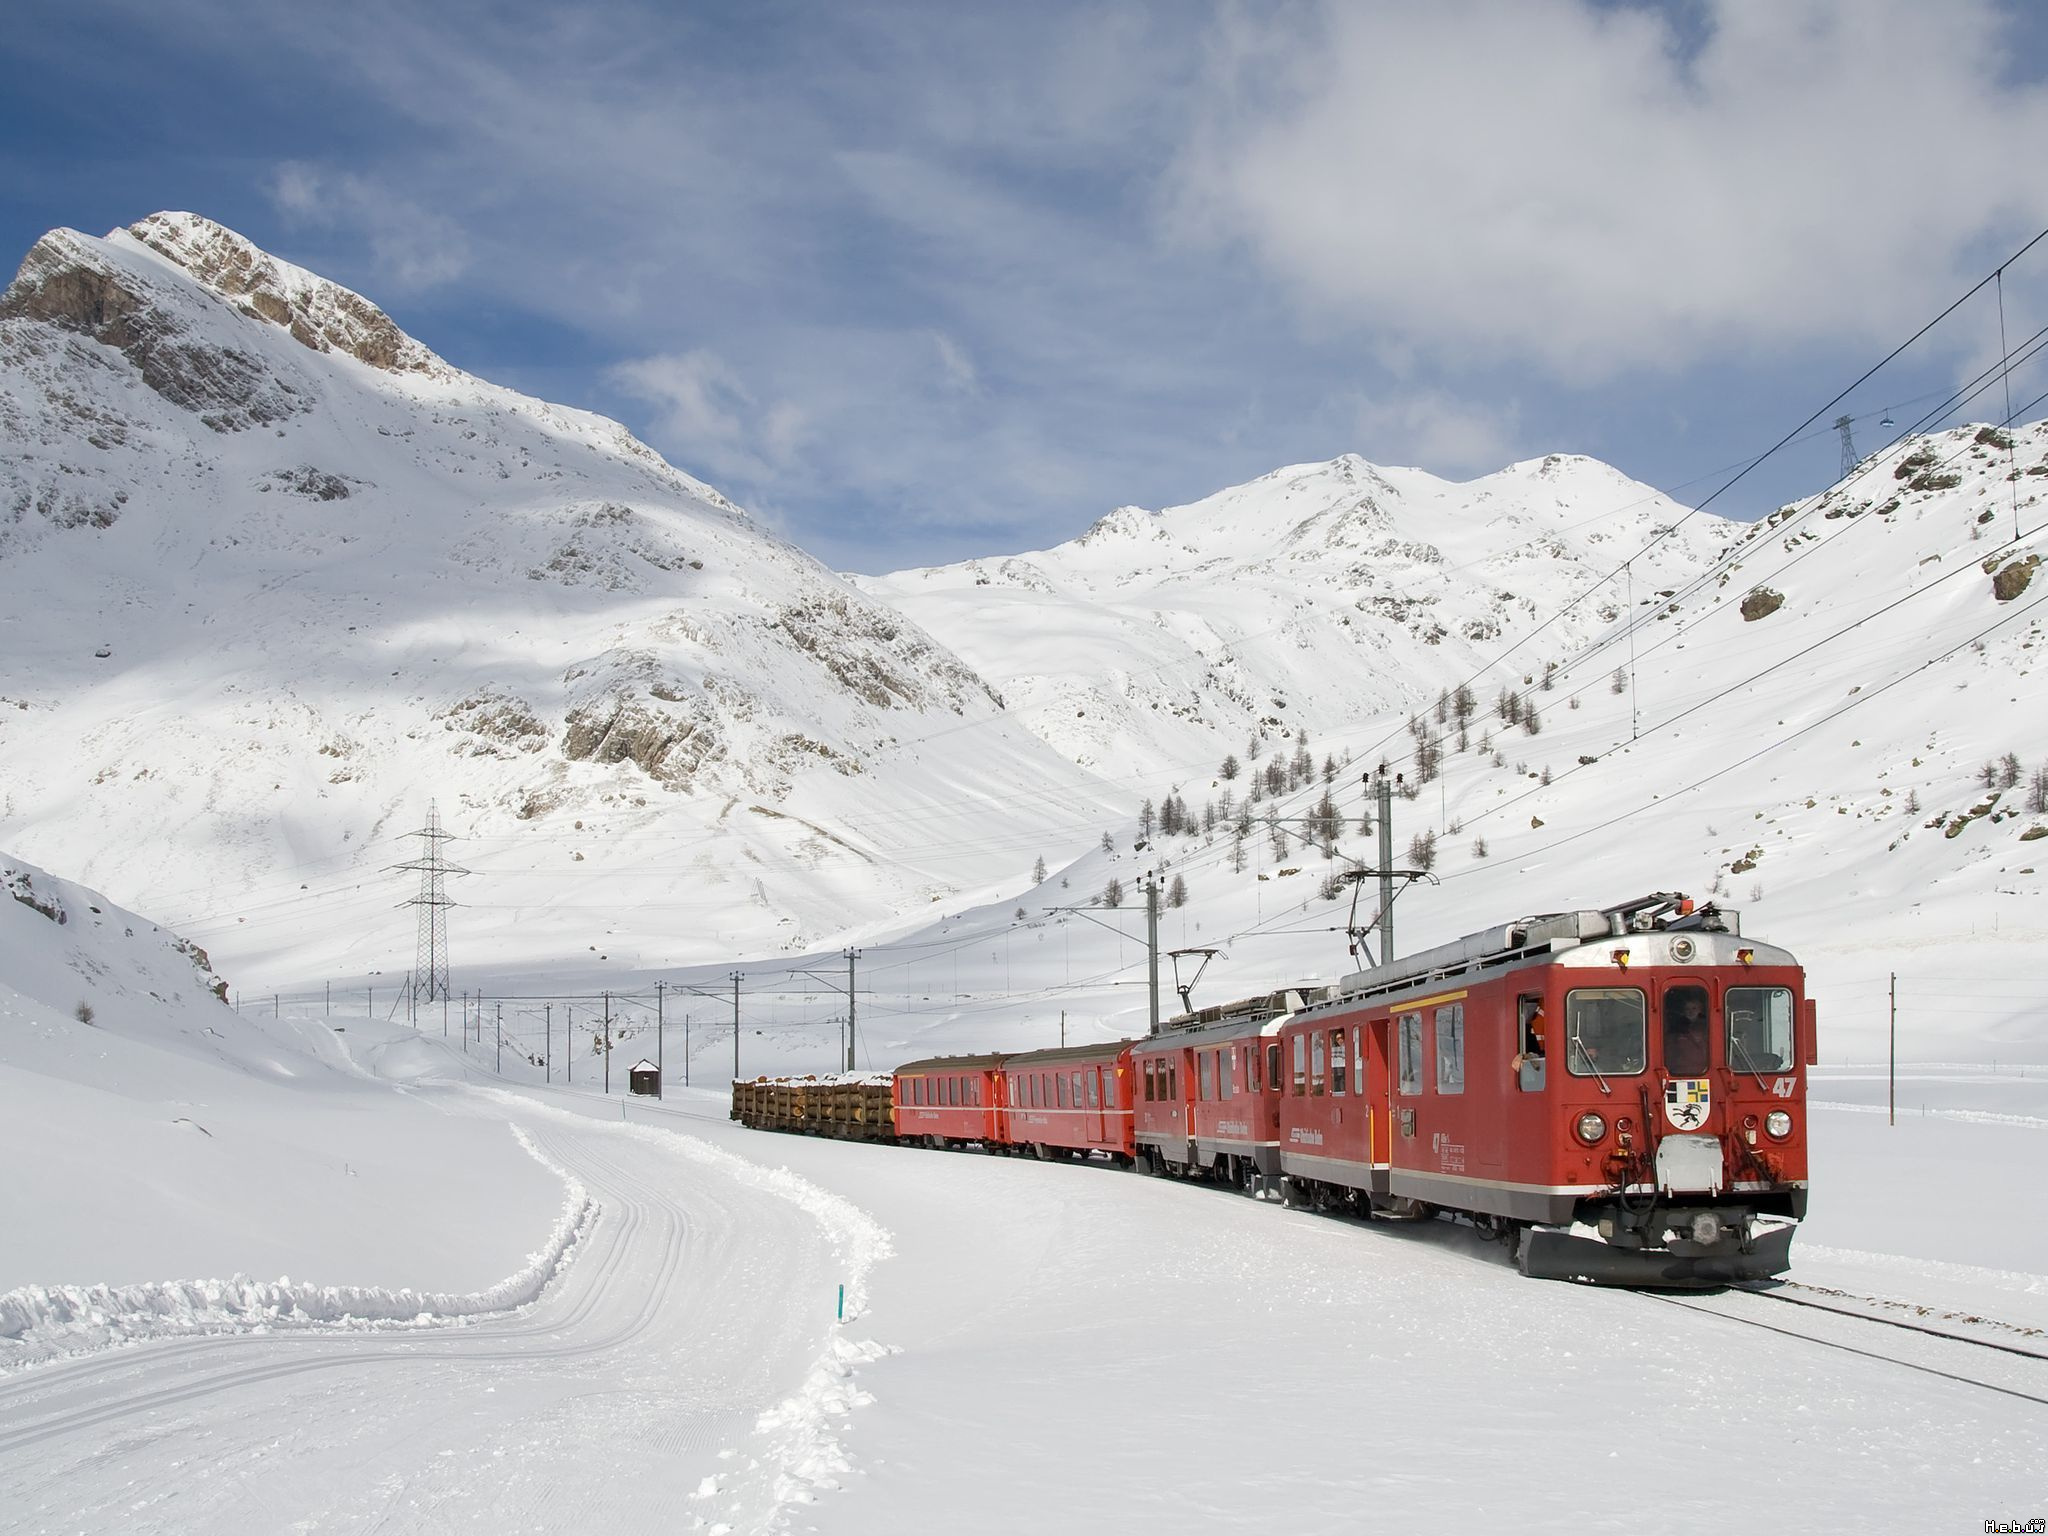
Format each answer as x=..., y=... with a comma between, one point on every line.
x=1685, y=1032
x=1534, y=1023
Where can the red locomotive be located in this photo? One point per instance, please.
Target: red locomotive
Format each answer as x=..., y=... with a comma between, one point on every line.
x=1621, y=1093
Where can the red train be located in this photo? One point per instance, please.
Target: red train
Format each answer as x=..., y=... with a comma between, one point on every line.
x=1619, y=1093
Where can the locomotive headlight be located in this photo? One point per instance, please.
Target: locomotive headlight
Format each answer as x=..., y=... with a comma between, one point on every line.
x=1778, y=1123
x=1591, y=1127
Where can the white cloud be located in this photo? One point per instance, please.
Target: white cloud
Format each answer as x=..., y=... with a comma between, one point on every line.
x=1595, y=191
x=706, y=415
x=1438, y=432
x=411, y=247
x=955, y=365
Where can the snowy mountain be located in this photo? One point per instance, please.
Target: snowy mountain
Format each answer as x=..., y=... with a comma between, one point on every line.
x=272, y=575
x=1835, y=719
x=1318, y=596
x=334, y=577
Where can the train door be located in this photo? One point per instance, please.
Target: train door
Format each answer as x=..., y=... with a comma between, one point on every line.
x=1096, y=1132
x=1383, y=1100
x=1490, y=1046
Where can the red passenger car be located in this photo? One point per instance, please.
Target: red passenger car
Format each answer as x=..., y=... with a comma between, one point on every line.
x=1074, y=1101
x=1208, y=1093
x=948, y=1101
x=1623, y=1090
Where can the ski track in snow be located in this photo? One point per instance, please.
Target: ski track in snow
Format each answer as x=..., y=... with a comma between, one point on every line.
x=1972, y=1116
x=684, y=1371
x=40, y=1323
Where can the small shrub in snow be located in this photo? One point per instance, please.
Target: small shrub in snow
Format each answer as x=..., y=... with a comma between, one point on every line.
x=83, y=1013
x=1478, y=847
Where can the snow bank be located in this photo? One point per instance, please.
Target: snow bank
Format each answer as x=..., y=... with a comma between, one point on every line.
x=45, y=1322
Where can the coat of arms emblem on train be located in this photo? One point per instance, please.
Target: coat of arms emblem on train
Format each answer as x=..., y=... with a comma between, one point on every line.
x=1686, y=1102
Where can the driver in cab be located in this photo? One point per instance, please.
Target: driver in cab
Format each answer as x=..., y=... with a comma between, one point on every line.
x=1685, y=1032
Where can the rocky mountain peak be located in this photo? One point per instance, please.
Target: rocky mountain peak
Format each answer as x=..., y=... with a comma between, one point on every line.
x=319, y=314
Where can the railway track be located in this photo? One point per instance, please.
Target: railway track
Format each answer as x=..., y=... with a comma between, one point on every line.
x=1752, y=1306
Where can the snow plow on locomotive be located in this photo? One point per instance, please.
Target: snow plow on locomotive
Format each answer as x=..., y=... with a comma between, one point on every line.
x=1619, y=1093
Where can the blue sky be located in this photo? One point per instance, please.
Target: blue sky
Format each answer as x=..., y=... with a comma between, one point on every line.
x=923, y=281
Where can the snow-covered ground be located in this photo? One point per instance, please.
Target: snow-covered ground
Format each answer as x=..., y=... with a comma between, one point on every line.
x=1051, y=1346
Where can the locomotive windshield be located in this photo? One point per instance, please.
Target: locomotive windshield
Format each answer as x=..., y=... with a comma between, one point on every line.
x=1604, y=1031
x=1759, y=1029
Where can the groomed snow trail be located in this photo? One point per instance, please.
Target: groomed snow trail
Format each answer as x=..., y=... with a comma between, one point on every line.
x=681, y=1371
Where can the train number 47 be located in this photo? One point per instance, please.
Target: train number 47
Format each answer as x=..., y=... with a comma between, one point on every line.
x=1783, y=1087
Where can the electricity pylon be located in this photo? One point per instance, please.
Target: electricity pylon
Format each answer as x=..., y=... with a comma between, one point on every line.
x=430, y=966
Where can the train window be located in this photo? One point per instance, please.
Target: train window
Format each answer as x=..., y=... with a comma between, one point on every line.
x=1226, y=1068
x=1149, y=1094
x=1604, y=1029
x=1075, y=1098
x=1205, y=1075
x=1173, y=1080
x=1686, y=1012
x=1411, y=1052
x=1300, y=1065
x=1450, y=1048
x=1094, y=1081
x=1357, y=1062
x=1059, y=1088
x=1315, y=1066
x=1758, y=1021
x=1038, y=1090
x=1339, y=1060
x=1273, y=1066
